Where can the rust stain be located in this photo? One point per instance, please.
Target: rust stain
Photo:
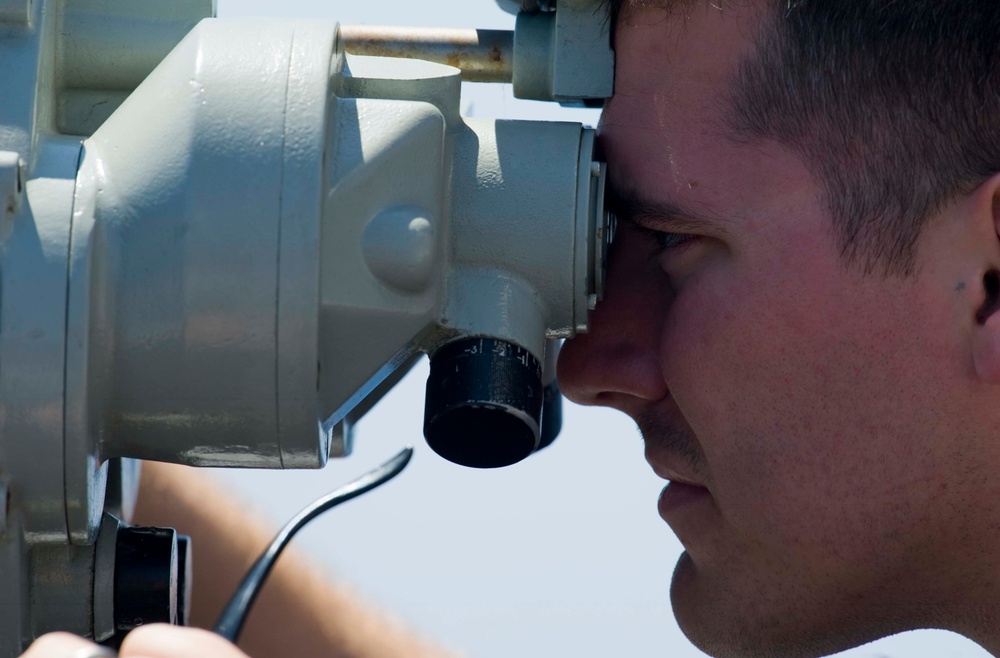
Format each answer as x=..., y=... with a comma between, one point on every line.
x=372, y=48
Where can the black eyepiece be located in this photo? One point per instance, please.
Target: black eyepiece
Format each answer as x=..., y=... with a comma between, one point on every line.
x=484, y=403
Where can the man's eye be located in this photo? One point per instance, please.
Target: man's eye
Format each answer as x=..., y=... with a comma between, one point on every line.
x=668, y=241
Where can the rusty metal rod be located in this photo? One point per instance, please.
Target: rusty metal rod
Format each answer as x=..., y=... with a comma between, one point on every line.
x=481, y=55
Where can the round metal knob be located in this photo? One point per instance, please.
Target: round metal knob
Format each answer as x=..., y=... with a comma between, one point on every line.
x=146, y=577
x=484, y=403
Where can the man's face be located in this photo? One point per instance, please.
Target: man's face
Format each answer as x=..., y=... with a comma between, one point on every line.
x=811, y=405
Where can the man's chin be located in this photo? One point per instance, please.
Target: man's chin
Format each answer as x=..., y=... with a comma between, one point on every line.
x=725, y=623
x=697, y=617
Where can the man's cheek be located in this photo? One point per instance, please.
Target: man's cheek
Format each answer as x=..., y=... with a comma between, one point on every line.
x=738, y=373
x=728, y=356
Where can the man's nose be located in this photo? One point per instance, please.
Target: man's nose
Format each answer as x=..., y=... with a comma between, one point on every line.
x=617, y=363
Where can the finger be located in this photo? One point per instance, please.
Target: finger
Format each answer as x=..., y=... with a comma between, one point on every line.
x=56, y=645
x=165, y=641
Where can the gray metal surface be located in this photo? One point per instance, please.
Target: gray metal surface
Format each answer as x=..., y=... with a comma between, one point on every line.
x=227, y=256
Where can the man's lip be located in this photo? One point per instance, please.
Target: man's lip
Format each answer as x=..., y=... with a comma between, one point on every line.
x=675, y=498
x=669, y=472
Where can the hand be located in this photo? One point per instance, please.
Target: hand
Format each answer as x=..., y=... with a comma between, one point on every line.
x=153, y=641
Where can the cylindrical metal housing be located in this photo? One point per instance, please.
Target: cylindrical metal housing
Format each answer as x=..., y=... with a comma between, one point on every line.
x=194, y=269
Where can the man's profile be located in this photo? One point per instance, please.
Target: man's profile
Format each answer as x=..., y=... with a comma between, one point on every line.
x=802, y=313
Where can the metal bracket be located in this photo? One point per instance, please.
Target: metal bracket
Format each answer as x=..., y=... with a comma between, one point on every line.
x=11, y=188
x=4, y=504
x=515, y=6
x=104, y=578
x=564, y=55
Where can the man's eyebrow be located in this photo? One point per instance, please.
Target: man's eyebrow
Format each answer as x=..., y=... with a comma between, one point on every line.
x=631, y=205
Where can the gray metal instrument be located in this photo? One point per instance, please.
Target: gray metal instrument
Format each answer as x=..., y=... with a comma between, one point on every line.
x=222, y=241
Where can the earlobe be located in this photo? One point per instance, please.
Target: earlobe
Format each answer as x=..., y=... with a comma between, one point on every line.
x=986, y=339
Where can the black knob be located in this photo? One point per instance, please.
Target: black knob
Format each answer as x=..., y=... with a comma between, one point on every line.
x=551, y=414
x=484, y=403
x=185, y=574
x=146, y=584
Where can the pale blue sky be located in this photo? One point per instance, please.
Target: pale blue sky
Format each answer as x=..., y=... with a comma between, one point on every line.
x=561, y=555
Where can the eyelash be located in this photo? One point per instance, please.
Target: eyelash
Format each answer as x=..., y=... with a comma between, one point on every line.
x=665, y=241
x=671, y=241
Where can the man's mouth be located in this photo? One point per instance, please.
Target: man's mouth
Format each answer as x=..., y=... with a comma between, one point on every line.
x=684, y=489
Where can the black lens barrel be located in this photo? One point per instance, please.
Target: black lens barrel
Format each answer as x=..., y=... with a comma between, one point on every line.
x=484, y=403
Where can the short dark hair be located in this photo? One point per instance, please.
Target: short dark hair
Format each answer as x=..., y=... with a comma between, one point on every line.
x=893, y=104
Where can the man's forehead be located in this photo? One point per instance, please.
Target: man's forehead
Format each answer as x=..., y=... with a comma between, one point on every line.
x=665, y=63
x=666, y=131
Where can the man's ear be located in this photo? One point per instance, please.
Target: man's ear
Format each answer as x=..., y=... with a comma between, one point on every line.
x=986, y=333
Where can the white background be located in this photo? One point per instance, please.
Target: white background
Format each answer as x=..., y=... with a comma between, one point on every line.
x=561, y=555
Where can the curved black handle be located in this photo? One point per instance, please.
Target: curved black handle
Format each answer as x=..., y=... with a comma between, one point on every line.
x=231, y=621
